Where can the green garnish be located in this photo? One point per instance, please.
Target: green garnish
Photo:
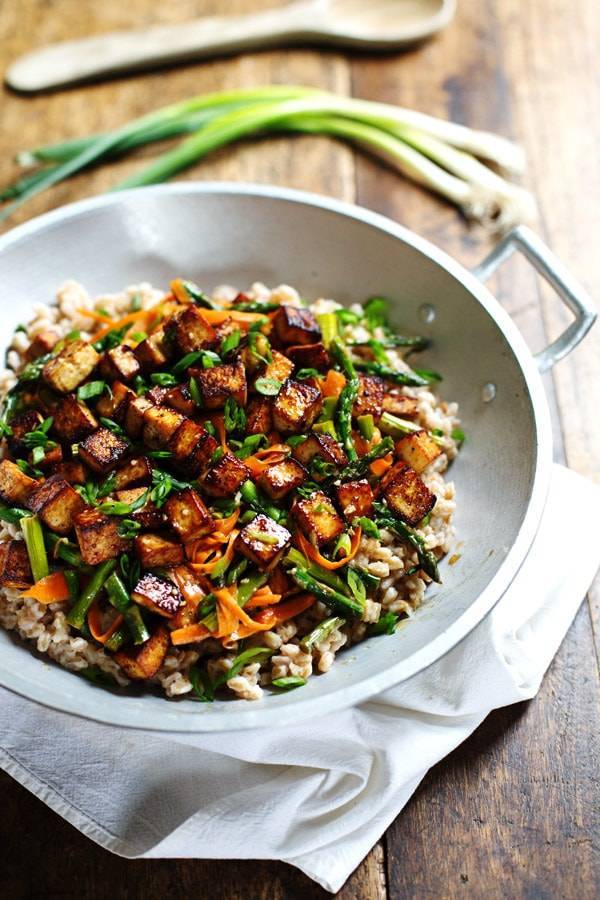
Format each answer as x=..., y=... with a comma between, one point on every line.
x=230, y=342
x=163, y=379
x=288, y=682
x=91, y=389
x=268, y=387
x=36, y=548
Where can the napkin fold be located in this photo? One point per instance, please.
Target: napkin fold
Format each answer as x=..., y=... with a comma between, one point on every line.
x=319, y=795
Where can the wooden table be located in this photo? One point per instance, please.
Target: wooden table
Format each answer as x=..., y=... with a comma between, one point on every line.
x=511, y=812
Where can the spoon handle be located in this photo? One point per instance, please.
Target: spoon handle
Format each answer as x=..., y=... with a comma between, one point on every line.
x=125, y=51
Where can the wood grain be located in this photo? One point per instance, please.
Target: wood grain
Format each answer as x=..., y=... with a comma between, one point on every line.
x=510, y=813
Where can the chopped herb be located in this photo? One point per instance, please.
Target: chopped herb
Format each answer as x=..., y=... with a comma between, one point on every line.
x=33, y=370
x=234, y=416
x=164, y=379
x=195, y=394
x=307, y=373
x=457, y=434
x=112, y=426
x=186, y=361
x=386, y=625
x=112, y=339
x=250, y=445
x=128, y=528
x=210, y=359
x=140, y=386
x=268, y=387
x=230, y=342
x=91, y=389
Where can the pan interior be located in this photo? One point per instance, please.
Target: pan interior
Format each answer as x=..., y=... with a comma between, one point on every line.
x=226, y=236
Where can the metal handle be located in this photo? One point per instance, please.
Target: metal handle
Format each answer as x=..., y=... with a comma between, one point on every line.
x=552, y=270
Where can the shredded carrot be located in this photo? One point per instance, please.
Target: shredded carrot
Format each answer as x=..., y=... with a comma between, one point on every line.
x=219, y=423
x=284, y=611
x=333, y=384
x=94, y=621
x=140, y=315
x=51, y=589
x=312, y=553
x=189, y=633
x=381, y=465
x=263, y=597
x=225, y=525
x=179, y=291
x=262, y=460
x=203, y=565
x=92, y=314
x=218, y=316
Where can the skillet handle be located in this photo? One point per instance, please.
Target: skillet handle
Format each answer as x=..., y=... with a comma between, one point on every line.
x=552, y=270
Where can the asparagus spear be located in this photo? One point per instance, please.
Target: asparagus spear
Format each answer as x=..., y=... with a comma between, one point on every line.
x=359, y=467
x=328, y=595
x=77, y=616
x=346, y=399
x=377, y=368
x=320, y=632
x=427, y=560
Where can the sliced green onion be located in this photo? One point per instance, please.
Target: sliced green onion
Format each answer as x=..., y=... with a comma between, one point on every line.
x=36, y=549
x=328, y=323
x=288, y=682
x=397, y=427
x=320, y=632
x=91, y=389
x=366, y=426
x=325, y=428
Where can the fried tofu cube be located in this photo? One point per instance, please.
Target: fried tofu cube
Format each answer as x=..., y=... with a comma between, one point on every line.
x=73, y=421
x=72, y=471
x=278, y=480
x=263, y=542
x=188, y=515
x=294, y=325
x=310, y=356
x=192, y=448
x=145, y=662
x=15, y=570
x=136, y=471
x=20, y=426
x=119, y=364
x=296, y=407
x=369, y=402
x=41, y=344
x=153, y=550
x=323, y=446
x=15, y=486
x=399, y=405
x=152, y=353
x=98, y=537
x=70, y=368
x=103, y=450
x=279, y=368
x=259, y=417
x=158, y=595
x=226, y=477
x=179, y=398
x=220, y=383
x=51, y=458
x=149, y=516
x=191, y=331
x=407, y=495
x=160, y=424
x=114, y=405
x=355, y=499
x=317, y=518
x=56, y=503
x=134, y=416
x=157, y=395
x=418, y=450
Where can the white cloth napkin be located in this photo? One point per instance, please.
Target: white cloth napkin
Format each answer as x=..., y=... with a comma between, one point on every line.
x=320, y=795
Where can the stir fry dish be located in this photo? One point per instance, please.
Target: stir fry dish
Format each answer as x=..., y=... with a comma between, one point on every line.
x=217, y=493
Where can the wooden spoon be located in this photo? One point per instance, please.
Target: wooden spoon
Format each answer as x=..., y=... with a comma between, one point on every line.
x=363, y=24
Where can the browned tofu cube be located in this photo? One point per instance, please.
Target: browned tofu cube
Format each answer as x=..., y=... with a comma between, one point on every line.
x=145, y=662
x=188, y=515
x=15, y=571
x=52, y=457
x=114, y=405
x=355, y=499
x=317, y=518
x=293, y=325
x=226, y=476
x=310, y=356
x=323, y=446
x=399, y=405
x=259, y=418
x=296, y=407
x=98, y=537
x=15, y=486
x=134, y=416
x=280, y=367
x=72, y=471
x=281, y=478
x=190, y=331
x=407, y=495
x=157, y=395
x=192, y=448
x=41, y=344
x=73, y=421
x=179, y=398
x=152, y=353
x=220, y=383
x=149, y=516
x=158, y=595
x=56, y=503
x=418, y=450
x=70, y=368
x=160, y=424
x=263, y=542
x=20, y=426
x=153, y=550
x=136, y=471
x=369, y=402
x=103, y=451
x=119, y=364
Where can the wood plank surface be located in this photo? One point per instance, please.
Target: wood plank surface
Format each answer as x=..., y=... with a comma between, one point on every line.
x=511, y=812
